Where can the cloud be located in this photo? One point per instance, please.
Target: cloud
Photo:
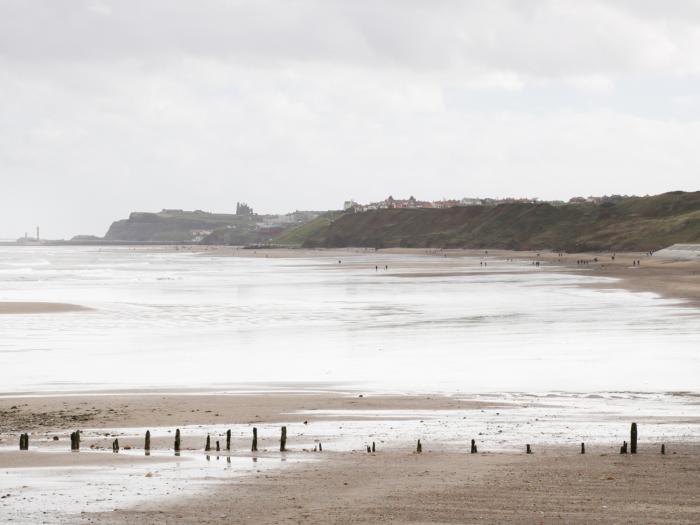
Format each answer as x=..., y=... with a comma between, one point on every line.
x=107, y=107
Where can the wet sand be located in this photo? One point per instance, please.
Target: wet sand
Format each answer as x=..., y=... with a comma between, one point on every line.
x=443, y=484
x=17, y=308
x=549, y=486
x=42, y=413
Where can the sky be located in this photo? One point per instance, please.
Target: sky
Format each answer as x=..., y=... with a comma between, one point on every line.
x=108, y=107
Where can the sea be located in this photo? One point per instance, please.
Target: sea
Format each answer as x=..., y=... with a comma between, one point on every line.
x=402, y=323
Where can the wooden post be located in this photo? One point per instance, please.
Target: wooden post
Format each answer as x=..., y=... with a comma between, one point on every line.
x=283, y=440
x=419, y=447
x=254, y=448
x=147, y=442
x=217, y=446
x=633, y=439
x=374, y=448
x=75, y=440
x=320, y=447
x=207, y=447
x=115, y=445
x=24, y=441
x=177, y=441
x=663, y=449
x=369, y=449
x=528, y=450
x=228, y=439
x=623, y=448
x=473, y=449
x=583, y=448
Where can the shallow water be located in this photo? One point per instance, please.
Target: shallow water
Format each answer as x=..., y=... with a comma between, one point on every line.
x=60, y=494
x=183, y=320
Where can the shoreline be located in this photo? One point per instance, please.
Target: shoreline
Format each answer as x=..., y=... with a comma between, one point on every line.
x=346, y=484
x=320, y=487
x=667, y=277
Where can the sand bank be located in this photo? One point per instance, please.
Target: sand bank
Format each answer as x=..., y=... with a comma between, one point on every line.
x=38, y=308
x=142, y=409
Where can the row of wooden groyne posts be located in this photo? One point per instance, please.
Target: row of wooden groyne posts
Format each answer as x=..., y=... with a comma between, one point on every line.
x=75, y=443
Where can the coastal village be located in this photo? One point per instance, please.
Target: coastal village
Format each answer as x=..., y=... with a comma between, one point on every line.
x=413, y=203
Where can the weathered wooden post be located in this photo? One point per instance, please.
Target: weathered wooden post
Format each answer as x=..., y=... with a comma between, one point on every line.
x=623, y=448
x=320, y=447
x=177, y=441
x=147, y=442
x=283, y=440
x=369, y=449
x=374, y=448
x=473, y=449
x=254, y=448
x=583, y=448
x=217, y=446
x=75, y=440
x=115, y=445
x=228, y=439
x=633, y=439
x=419, y=447
x=663, y=449
x=24, y=441
x=207, y=447
x=528, y=450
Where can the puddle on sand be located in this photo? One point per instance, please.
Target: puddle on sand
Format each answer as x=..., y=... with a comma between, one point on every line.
x=559, y=420
x=58, y=494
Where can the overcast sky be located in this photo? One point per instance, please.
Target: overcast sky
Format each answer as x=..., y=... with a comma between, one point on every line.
x=112, y=106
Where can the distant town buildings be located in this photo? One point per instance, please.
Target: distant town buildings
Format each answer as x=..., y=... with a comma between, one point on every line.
x=411, y=203
x=597, y=200
x=392, y=203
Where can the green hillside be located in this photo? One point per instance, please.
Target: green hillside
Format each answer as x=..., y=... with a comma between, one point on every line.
x=634, y=223
x=297, y=235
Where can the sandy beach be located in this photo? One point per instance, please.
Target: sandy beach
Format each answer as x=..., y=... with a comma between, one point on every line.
x=345, y=484
x=552, y=486
x=18, y=308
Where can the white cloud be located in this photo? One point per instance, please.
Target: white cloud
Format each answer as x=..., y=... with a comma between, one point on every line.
x=106, y=107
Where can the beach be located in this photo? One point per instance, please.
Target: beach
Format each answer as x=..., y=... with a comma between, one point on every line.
x=553, y=486
x=344, y=483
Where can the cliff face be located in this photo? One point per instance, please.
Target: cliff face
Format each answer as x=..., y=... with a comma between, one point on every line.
x=635, y=223
x=172, y=225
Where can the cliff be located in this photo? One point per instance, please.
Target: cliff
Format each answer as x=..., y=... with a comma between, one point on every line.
x=634, y=223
